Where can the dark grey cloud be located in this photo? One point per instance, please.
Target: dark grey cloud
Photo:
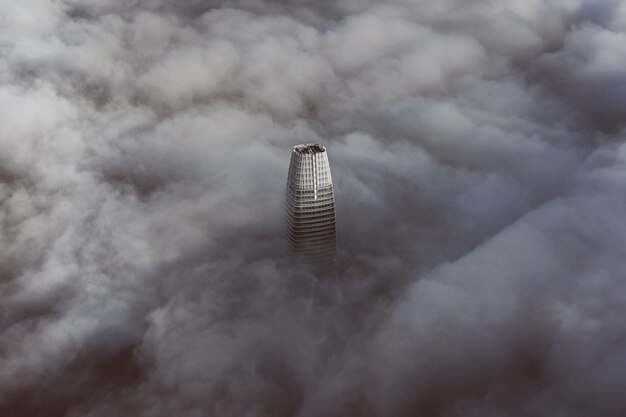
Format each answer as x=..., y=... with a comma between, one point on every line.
x=478, y=159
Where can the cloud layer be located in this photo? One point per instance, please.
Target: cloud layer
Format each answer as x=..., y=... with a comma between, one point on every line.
x=479, y=166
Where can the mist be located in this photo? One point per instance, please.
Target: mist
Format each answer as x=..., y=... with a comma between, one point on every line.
x=478, y=160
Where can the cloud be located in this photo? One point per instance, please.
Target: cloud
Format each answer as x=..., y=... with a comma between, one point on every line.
x=478, y=160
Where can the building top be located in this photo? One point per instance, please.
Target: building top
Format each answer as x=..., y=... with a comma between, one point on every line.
x=309, y=148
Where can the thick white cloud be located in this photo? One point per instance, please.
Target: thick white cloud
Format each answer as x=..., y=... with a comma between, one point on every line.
x=476, y=149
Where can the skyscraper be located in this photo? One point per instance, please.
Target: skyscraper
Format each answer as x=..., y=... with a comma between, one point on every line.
x=311, y=230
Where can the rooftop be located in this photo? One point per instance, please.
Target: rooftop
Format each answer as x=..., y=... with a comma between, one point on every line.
x=309, y=148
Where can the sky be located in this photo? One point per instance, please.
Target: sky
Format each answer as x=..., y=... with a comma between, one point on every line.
x=479, y=165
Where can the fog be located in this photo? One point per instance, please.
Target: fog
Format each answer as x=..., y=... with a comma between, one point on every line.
x=478, y=159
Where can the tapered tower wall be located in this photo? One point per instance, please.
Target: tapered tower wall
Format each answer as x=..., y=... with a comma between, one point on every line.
x=311, y=230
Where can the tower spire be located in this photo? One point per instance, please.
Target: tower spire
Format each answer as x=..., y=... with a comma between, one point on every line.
x=311, y=232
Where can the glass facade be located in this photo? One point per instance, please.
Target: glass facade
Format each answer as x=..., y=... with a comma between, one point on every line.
x=311, y=230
